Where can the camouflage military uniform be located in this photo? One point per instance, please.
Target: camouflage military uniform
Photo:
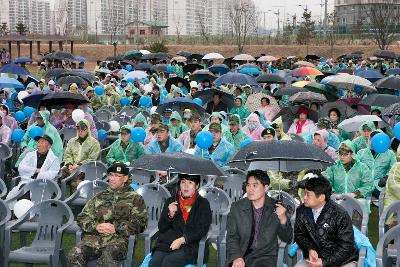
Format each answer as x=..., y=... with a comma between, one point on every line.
x=126, y=210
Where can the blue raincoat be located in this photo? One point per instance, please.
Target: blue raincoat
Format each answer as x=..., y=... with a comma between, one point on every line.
x=173, y=146
x=221, y=155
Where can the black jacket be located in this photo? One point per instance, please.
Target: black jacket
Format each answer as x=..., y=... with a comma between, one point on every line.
x=239, y=229
x=212, y=108
x=194, y=230
x=331, y=236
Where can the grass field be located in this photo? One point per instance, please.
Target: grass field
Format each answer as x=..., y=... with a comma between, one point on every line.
x=69, y=242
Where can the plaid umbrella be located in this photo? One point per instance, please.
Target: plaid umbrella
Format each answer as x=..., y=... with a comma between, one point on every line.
x=179, y=162
x=284, y=156
x=393, y=109
x=253, y=102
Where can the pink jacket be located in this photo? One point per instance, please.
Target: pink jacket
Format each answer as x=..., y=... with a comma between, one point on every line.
x=308, y=127
x=270, y=111
x=256, y=133
x=5, y=131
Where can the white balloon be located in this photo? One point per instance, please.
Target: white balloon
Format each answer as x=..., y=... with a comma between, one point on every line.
x=153, y=110
x=21, y=207
x=114, y=126
x=21, y=95
x=78, y=115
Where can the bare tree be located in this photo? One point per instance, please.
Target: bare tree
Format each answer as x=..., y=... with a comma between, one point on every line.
x=201, y=23
x=243, y=15
x=384, y=24
x=178, y=29
x=114, y=21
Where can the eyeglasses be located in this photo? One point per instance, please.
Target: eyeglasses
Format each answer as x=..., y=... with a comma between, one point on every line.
x=343, y=153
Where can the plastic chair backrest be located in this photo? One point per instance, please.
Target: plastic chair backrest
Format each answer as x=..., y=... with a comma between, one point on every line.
x=5, y=151
x=233, y=184
x=52, y=215
x=392, y=210
x=352, y=207
x=102, y=125
x=121, y=119
x=141, y=177
x=392, y=238
x=219, y=200
x=5, y=214
x=94, y=170
x=3, y=188
x=154, y=196
x=90, y=188
x=103, y=115
x=42, y=190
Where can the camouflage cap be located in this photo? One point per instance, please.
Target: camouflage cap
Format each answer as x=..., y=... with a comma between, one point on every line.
x=163, y=127
x=234, y=119
x=215, y=127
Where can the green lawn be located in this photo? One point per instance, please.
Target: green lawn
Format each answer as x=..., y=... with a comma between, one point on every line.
x=69, y=242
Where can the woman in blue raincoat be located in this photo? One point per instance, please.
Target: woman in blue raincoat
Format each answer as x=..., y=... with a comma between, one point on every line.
x=221, y=151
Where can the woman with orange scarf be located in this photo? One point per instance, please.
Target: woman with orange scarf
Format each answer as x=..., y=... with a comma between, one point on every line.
x=184, y=221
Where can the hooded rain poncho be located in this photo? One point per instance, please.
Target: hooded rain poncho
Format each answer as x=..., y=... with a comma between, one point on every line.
x=360, y=142
x=241, y=111
x=238, y=138
x=221, y=155
x=178, y=130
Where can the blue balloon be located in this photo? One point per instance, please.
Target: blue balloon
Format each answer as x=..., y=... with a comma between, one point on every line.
x=204, y=140
x=245, y=142
x=99, y=90
x=102, y=135
x=170, y=69
x=124, y=101
x=380, y=143
x=129, y=67
x=198, y=101
x=145, y=101
x=17, y=135
x=135, y=186
x=396, y=130
x=138, y=134
x=20, y=116
x=130, y=80
x=358, y=89
x=35, y=131
x=28, y=111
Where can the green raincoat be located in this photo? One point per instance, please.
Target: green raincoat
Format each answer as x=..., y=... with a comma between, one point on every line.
x=379, y=165
x=29, y=144
x=392, y=192
x=117, y=153
x=241, y=111
x=223, y=125
x=238, y=138
x=77, y=153
x=139, y=118
x=179, y=71
x=360, y=142
x=176, y=131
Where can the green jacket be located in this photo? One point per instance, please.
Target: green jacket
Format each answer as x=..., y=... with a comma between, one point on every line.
x=139, y=118
x=28, y=144
x=392, y=192
x=360, y=142
x=132, y=152
x=123, y=207
x=236, y=139
x=241, y=111
x=77, y=153
x=358, y=178
x=105, y=100
x=380, y=165
x=176, y=131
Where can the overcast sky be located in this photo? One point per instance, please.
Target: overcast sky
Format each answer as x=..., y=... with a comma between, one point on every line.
x=289, y=8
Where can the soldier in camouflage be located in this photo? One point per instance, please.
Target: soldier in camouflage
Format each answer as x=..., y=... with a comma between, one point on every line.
x=107, y=220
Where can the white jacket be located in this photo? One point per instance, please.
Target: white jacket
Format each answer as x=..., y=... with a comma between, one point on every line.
x=49, y=170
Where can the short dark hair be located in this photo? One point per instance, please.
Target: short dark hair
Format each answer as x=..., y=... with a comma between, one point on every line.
x=266, y=99
x=259, y=175
x=193, y=178
x=319, y=185
x=336, y=111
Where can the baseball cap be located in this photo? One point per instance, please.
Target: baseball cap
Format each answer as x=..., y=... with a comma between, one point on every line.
x=215, y=127
x=233, y=119
x=118, y=167
x=81, y=125
x=45, y=137
x=163, y=127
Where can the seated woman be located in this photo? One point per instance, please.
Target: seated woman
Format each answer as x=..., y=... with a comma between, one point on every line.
x=184, y=221
x=302, y=125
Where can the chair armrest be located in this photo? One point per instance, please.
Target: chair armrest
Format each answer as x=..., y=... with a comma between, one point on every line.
x=66, y=180
x=131, y=248
x=72, y=197
x=200, y=254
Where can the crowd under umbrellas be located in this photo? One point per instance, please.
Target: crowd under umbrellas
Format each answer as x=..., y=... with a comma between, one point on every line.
x=278, y=104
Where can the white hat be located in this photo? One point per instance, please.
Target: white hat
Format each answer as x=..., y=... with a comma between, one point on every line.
x=194, y=84
x=51, y=82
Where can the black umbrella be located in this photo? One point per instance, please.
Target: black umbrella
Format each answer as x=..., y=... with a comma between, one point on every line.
x=184, y=53
x=60, y=99
x=328, y=91
x=380, y=100
x=312, y=57
x=198, y=57
x=289, y=90
x=392, y=82
x=51, y=73
x=345, y=110
x=270, y=78
x=284, y=156
x=179, y=104
x=353, y=56
x=89, y=77
x=394, y=71
x=393, y=109
x=69, y=80
x=175, y=81
x=60, y=55
x=159, y=68
x=207, y=94
x=33, y=99
x=202, y=75
x=179, y=162
x=115, y=58
x=155, y=56
x=192, y=67
x=385, y=54
x=143, y=66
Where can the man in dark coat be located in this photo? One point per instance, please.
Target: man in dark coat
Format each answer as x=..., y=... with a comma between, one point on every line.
x=254, y=225
x=323, y=230
x=216, y=104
